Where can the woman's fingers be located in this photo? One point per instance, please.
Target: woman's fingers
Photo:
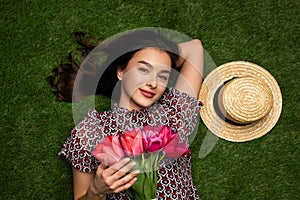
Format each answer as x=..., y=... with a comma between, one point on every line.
x=126, y=182
x=123, y=170
x=100, y=169
x=123, y=183
x=119, y=166
x=116, y=177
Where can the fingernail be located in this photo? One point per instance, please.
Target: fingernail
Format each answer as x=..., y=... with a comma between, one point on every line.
x=136, y=171
x=134, y=179
x=126, y=159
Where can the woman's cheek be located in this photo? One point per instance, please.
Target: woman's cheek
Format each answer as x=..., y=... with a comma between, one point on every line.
x=132, y=81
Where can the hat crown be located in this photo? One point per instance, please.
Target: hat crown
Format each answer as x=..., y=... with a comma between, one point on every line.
x=244, y=100
x=213, y=95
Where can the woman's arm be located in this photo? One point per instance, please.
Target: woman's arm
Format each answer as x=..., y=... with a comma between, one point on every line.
x=191, y=73
x=81, y=186
x=106, y=180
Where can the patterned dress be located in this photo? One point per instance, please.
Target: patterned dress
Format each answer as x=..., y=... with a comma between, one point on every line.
x=177, y=110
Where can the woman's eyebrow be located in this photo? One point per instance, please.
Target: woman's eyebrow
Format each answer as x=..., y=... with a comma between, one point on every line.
x=145, y=63
x=151, y=66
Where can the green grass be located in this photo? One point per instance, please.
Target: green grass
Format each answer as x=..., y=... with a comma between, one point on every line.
x=36, y=34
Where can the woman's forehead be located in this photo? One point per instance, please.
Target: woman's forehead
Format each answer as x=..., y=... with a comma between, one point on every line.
x=152, y=56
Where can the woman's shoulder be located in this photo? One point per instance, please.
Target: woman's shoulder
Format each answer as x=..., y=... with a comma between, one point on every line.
x=93, y=121
x=94, y=114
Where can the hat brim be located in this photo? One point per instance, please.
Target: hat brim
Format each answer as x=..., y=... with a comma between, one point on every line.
x=230, y=131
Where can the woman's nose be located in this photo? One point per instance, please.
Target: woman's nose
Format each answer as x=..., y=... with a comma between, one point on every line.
x=152, y=82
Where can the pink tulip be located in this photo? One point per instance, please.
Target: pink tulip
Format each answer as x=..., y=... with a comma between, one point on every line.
x=132, y=142
x=152, y=140
x=110, y=150
x=167, y=134
x=175, y=148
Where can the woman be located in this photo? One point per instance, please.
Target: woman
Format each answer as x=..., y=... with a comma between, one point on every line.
x=141, y=61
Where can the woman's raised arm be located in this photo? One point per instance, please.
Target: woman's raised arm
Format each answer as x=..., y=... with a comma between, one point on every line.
x=191, y=61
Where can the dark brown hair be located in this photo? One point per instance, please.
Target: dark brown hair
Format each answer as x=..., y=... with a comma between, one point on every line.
x=95, y=72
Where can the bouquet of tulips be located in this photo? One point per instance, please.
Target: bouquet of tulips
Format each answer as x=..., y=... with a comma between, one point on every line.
x=147, y=147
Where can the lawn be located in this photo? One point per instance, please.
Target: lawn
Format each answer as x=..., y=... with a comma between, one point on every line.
x=35, y=37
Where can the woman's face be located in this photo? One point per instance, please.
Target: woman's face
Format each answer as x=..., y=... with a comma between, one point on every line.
x=145, y=78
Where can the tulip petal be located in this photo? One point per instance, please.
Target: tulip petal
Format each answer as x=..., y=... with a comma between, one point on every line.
x=100, y=156
x=175, y=148
x=132, y=142
x=117, y=147
x=112, y=157
x=126, y=146
x=137, y=144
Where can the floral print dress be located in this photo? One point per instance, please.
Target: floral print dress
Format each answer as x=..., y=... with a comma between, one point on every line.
x=177, y=110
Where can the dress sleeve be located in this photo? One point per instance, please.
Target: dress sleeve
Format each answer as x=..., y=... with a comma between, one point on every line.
x=77, y=148
x=183, y=110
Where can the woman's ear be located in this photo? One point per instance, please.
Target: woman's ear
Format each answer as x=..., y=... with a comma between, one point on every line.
x=119, y=73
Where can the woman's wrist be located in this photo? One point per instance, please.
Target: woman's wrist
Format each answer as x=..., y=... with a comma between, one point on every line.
x=93, y=193
x=91, y=196
x=189, y=51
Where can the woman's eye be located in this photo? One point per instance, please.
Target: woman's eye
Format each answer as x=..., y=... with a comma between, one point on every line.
x=144, y=70
x=163, y=78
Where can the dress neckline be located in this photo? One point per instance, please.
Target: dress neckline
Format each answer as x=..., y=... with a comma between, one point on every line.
x=118, y=108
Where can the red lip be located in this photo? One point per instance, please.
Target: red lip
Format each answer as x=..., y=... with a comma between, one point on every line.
x=147, y=93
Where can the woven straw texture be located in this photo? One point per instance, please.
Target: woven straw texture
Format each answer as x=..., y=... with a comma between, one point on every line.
x=250, y=98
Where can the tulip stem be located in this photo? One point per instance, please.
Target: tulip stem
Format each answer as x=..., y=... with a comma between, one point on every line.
x=143, y=161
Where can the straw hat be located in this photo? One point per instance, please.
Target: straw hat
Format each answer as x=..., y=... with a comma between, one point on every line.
x=242, y=101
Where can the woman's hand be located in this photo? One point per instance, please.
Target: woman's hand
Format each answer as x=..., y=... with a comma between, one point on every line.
x=107, y=180
x=115, y=178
